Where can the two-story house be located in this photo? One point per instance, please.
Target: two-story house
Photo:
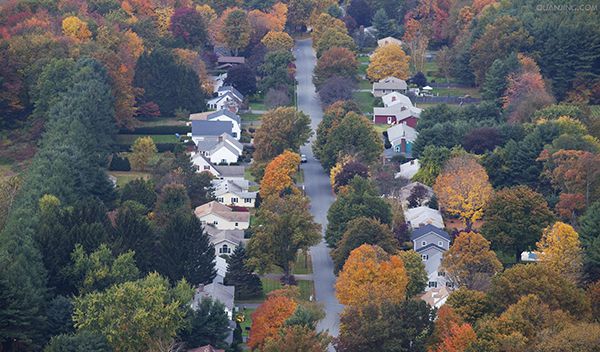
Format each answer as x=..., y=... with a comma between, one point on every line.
x=234, y=193
x=222, y=217
x=431, y=242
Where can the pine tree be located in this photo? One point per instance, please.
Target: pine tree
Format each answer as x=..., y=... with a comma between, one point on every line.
x=247, y=284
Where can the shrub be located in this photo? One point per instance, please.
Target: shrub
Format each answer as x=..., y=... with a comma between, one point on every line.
x=119, y=163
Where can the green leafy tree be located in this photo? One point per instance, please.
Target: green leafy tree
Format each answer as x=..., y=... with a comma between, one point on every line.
x=55, y=78
x=333, y=37
x=495, y=83
x=83, y=341
x=354, y=135
x=515, y=218
x=331, y=118
x=431, y=161
x=360, y=200
x=172, y=199
x=415, y=269
x=470, y=305
x=168, y=84
x=247, y=283
x=185, y=250
x=208, y=324
x=359, y=231
x=284, y=225
x=236, y=30
x=281, y=129
x=382, y=23
x=58, y=315
x=135, y=315
x=275, y=70
x=101, y=269
x=140, y=191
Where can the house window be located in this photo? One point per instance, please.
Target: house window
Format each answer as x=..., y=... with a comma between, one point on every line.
x=441, y=273
x=234, y=134
x=236, y=224
x=234, y=200
x=425, y=256
x=225, y=249
x=247, y=200
x=449, y=284
x=441, y=244
x=432, y=284
x=223, y=161
x=206, y=167
x=215, y=222
x=220, y=199
x=424, y=243
x=389, y=120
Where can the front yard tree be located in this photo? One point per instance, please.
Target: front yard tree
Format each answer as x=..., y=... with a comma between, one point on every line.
x=281, y=129
x=388, y=60
x=283, y=226
x=277, y=41
x=278, y=174
x=361, y=231
x=336, y=61
x=515, y=218
x=269, y=318
x=236, y=30
x=371, y=275
x=469, y=262
x=560, y=249
x=242, y=78
x=142, y=151
x=333, y=37
x=361, y=199
x=298, y=338
x=207, y=325
x=463, y=189
x=247, y=283
x=415, y=269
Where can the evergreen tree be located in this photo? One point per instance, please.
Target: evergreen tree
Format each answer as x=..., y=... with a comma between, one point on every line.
x=185, y=250
x=168, y=84
x=133, y=232
x=494, y=86
x=208, y=324
x=247, y=283
x=384, y=26
x=82, y=341
x=141, y=191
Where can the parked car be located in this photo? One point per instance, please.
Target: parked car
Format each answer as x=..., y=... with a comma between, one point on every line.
x=303, y=158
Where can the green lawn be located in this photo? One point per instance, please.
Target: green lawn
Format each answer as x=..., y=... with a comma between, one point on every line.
x=163, y=121
x=123, y=177
x=299, y=177
x=364, y=59
x=365, y=101
x=380, y=128
x=247, y=320
x=250, y=117
x=307, y=287
x=595, y=110
x=257, y=105
x=364, y=84
x=303, y=264
x=248, y=175
x=157, y=138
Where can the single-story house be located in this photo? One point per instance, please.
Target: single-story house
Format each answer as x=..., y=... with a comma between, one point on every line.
x=225, y=241
x=408, y=169
x=402, y=137
x=234, y=192
x=436, y=297
x=395, y=114
x=394, y=98
x=407, y=190
x=423, y=216
x=225, y=101
x=216, y=292
x=431, y=242
x=389, y=85
x=222, y=149
x=222, y=217
x=221, y=115
x=388, y=40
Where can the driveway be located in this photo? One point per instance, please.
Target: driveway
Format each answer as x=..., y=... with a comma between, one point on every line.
x=318, y=189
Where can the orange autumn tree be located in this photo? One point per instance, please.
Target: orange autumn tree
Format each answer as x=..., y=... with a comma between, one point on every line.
x=451, y=333
x=278, y=174
x=269, y=317
x=463, y=189
x=371, y=275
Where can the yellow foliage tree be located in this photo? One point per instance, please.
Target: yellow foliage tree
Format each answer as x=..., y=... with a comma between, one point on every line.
x=278, y=41
x=388, y=60
x=337, y=168
x=279, y=14
x=142, y=151
x=207, y=12
x=560, y=249
x=325, y=22
x=371, y=275
x=278, y=174
x=163, y=19
x=463, y=189
x=75, y=28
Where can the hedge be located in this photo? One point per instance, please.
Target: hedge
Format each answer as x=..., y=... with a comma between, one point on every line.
x=161, y=147
x=160, y=129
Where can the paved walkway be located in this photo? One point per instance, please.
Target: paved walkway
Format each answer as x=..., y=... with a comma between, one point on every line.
x=318, y=189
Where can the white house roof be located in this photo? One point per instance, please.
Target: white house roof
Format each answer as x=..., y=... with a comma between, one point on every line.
x=400, y=111
x=394, y=98
x=436, y=297
x=211, y=128
x=392, y=83
x=222, y=211
x=232, y=90
x=239, y=187
x=213, y=143
x=217, y=236
x=230, y=171
x=409, y=169
x=224, y=112
x=421, y=216
x=389, y=40
x=401, y=131
x=221, y=266
x=215, y=291
x=227, y=96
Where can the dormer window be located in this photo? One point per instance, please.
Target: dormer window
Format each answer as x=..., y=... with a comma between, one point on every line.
x=441, y=244
x=423, y=243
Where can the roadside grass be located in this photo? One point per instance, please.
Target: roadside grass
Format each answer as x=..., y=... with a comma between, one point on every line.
x=299, y=177
x=157, y=138
x=303, y=264
x=364, y=100
x=258, y=105
x=124, y=177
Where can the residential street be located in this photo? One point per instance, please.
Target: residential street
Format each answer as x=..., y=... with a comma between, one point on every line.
x=317, y=188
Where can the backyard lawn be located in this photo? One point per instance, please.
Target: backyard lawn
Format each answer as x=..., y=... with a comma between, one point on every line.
x=123, y=177
x=364, y=84
x=250, y=117
x=365, y=101
x=247, y=323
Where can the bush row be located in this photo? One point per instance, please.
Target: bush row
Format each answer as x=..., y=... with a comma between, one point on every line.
x=161, y=129
x=161, y=147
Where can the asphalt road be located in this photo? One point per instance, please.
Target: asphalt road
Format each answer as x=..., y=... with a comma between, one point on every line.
x=317, y=188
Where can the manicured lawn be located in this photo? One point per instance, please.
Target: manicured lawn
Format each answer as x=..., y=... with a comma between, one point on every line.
x=247, y=323
x=307, y=287
x=163, y=121
x=248, y=175
x=364, y=84
x=270, y=285
x=123, y=177
x=303, y=264
x=157, y=138
x=250, y=117
x=365, y=101
x=258, y=105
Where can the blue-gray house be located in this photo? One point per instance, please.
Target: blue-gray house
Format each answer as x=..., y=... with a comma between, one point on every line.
x=431, y=242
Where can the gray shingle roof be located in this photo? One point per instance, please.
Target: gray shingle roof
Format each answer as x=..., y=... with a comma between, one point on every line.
x=211, y=128
x=431, y=245
x=423, y=230
x=225, y=112
x=230, y=171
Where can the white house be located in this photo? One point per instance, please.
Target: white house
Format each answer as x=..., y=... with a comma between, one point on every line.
x=431, y=242
x=222, y=217
x=388, y=40
x=227, y=98
x=436, y=297
x=218, y=81
x=221, y=149
x=395, y=98
x=408, y=169
x=216, y=292
x=423, y=216
x=224, y=241
x=234, y=193
x=202, y=129
x=202, y=164
x=388, y=85
x=402, y=137
x=396, y=113
x=221, y=115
